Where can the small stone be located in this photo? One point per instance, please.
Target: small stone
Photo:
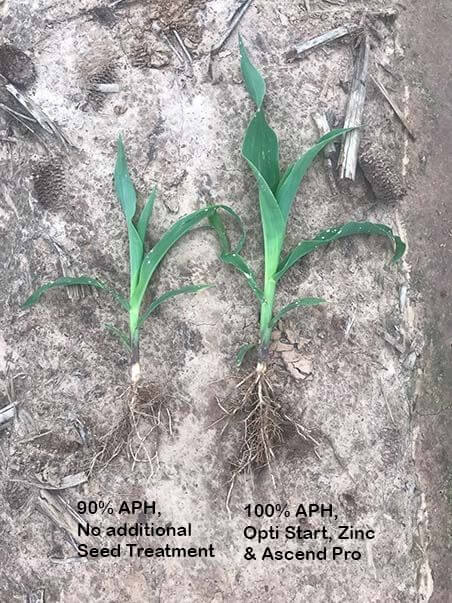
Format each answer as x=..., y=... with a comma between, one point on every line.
x=283, y=347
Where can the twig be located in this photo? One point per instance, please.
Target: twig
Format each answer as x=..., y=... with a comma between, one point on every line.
x=106, y=88
x=393, y=105
x=16, y=113
x=34, y=437
x=62, y=515
x=184, y=49
x=234, y=21
x=32, y=113
x=170, y=422
x=70, y=481
x=20, y=118
x=7, y=413
x=350, y=323
x=321, y=121
x=403, y=297
x=386, y=12
x=159, y=31
x=355, y=107
x=329, y=36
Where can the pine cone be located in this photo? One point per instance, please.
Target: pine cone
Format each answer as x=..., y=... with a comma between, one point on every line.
x=380, y=173
x=49, y=181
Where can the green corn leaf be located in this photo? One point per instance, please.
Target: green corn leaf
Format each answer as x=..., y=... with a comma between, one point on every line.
x=119, y=335
x=153, y=258
x=125, y=190
x=243, y=351
x=236, y=260
x=145, y=216
x=303, y=301
x=233, y=257
x=217, y=223
x=136, y=251
x=285, y=176
x=254, y=82
x=273, y=225
x=294, y=174
x=122, y=301
x=68, y=281
x=260, y=147
x=333, y=234
x=168, y=295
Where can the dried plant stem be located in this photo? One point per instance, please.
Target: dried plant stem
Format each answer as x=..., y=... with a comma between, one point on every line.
x=329, y=153
x=382, y=89
x=355, y=108
x=233, y=22
x=329, y=36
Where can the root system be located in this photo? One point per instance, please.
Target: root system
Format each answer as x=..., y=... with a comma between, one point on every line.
x=264, y=425
x=137, y=431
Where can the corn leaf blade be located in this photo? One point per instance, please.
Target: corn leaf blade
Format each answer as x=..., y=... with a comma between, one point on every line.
x=153, y=258
x=294, y=174
x=236, y=260
x=254, y=82
x=303, y=301
x=168, y=295
x=243, y=351
x=136, y=251
x=233, y=257
x=145, y=216
x=124, y=188
x=119, y=335
x=68, y=281
x=261, y=148
x=273, y=226
x=217, y=224
x=333, y=234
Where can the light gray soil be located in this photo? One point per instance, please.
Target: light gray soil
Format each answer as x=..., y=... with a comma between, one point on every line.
x=379, y=411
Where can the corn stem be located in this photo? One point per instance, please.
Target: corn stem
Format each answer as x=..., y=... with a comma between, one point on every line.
x=266, y=316
x=135, y=370
x=134, y=344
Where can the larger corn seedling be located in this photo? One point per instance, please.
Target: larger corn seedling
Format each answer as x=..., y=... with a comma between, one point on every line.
x=142, y=263
x=264, y=418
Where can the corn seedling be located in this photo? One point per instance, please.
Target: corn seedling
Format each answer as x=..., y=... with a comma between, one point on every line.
x=264, y=419
x=142, y=263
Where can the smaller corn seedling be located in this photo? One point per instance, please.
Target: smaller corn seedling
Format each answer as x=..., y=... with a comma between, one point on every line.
x=264, y=418
x=142, y=263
